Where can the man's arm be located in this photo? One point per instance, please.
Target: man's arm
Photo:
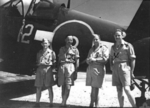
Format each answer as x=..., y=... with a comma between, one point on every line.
x=76, y=64
x=77, y=60
x=132, y=65
x=88, y=60
x=57, y=67
x=132, y=58
x=111, y=61
x=76, y=69
x=111, y=58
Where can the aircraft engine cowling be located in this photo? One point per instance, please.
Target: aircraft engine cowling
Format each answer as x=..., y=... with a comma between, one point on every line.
x=82, y=33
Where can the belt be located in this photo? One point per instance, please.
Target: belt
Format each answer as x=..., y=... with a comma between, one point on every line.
x=117, y=62
x=66, y=62
x=44, y=66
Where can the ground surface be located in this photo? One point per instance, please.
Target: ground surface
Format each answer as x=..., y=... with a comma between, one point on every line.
x=22, y=95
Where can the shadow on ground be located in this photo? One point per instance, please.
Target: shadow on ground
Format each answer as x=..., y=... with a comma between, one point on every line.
x=26, y=104
x=12, y=90
x=16, y=89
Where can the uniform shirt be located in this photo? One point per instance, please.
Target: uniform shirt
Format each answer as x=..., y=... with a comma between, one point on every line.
x=46, y=58
x=68, y=55
x=101, y=52
x=123, y=54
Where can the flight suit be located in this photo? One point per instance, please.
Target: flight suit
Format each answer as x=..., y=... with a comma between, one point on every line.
x=44, y=75
x=67, y=59
x=121, y=70
x=96, y=70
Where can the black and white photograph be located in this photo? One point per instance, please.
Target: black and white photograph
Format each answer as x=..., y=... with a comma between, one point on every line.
x=74, y=53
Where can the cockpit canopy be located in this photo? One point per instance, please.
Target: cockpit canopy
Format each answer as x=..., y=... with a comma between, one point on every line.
x=44, y=9
x=47, y=9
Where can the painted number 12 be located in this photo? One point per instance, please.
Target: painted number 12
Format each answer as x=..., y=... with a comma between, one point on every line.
x=23, y=40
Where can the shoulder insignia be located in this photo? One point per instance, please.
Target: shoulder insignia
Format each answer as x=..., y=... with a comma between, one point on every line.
x=127, y=44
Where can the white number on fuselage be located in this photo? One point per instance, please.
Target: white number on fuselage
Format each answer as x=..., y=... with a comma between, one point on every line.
x=23, y=40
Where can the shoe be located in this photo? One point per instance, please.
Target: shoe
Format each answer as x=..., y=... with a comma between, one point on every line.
x=63, y=106
x=50, y=105
x=37, y=105
x=91, y=105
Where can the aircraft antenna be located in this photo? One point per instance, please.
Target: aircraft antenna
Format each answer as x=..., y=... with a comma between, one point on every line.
x=68, y=5
x=31, y=6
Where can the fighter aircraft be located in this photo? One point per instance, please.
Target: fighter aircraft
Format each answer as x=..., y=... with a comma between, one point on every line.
x=21, y=33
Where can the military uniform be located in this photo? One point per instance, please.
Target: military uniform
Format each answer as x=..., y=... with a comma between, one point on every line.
x=44, y=75
x=121, y=70
x=67, y=59
x=96, y=70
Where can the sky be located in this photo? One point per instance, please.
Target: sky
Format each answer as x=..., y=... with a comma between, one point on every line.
x=118, y=11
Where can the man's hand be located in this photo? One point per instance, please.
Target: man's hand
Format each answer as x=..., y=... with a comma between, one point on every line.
x=56, y=80
x=55, y=73
x=92, y=59
x=132, y=76
x=75, y=75
x=132, y=86
x=111, y=68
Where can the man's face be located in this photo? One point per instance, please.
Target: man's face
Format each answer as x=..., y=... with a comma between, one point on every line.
x=118, y=36
x=45, y=44
x=69, y=40
x=96, y=40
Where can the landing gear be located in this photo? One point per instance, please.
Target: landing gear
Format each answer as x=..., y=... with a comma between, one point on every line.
x=143, y=88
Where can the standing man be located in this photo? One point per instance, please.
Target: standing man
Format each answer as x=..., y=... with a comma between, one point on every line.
x=122, y=63
x=68, y=64
x=44, y=76
x=97, y=58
